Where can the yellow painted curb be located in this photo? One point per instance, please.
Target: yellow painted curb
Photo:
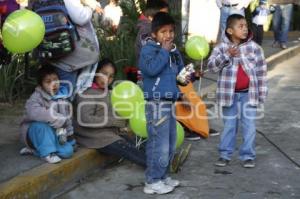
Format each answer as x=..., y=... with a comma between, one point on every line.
x=47, y=179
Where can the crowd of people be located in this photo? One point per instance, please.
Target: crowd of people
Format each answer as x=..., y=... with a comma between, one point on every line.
x=52, y=129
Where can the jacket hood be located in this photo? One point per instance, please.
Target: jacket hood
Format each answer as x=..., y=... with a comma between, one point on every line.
x=44, y=94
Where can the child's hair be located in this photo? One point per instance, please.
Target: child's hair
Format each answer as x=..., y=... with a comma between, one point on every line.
x=154, y=6
x=104, y=62
x=161, y=19
x=43, y=72
x=232, y=19
x=263, y=2
x=115, y=1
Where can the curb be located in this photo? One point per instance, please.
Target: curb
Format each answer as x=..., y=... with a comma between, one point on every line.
x=283, y=55
x=46, y=180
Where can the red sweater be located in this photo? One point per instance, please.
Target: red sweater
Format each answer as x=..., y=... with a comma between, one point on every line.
x=242, y=79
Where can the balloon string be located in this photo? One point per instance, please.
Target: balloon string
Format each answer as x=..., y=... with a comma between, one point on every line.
x=200, y=79
x=139, y=141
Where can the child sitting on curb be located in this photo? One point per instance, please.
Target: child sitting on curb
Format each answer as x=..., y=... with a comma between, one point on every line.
x=47, y=121
x=96, y=127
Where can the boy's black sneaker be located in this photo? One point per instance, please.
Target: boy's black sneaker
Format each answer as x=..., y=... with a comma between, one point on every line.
x=222, y=162
x=249, y=164
x=192, y=136
x=213, y=132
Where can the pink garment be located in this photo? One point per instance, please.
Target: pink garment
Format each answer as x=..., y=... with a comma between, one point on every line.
x=95, y=86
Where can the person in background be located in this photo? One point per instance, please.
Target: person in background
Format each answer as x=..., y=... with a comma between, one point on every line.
x=6, y=7
x=47, y=128
x=78, y=67
x=281, y=21
x=229, y=7
x=259, y=18
x=93, y=4
x=144, y=23
x=112, y=14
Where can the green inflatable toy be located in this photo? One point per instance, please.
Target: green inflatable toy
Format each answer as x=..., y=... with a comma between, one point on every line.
x=22, y=31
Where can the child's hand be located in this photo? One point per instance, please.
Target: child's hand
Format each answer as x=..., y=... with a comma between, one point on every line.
x=168, y=45
x=233, y=51
x=99, y=10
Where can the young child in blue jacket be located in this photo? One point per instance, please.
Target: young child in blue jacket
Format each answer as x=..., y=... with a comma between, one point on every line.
x=160, y=63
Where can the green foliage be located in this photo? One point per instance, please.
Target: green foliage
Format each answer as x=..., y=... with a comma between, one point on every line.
x=119, y=45
x=13, y=84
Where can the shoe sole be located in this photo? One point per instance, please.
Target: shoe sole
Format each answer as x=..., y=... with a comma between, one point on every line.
x=193, y=139
x=214, y=134
x=146, y=191
x=221, y=165
x=248, y=166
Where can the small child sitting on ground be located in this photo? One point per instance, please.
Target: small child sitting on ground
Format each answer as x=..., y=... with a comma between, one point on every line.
x=47, y=125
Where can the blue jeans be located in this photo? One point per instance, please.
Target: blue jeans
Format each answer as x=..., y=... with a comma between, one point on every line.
x=68, y=79
x=241, y=111
x=125, y=148
x=281, y=22
x=161, y=143
x=225, y=13
x=45, y=141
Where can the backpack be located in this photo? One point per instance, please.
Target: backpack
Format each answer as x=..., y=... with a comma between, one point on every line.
x=60, y=35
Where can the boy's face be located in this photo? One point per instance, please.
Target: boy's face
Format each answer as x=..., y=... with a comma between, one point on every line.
x=239, y=30
x=165, y=34
x=50, y=84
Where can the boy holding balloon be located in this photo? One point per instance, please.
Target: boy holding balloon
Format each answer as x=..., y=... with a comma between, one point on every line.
x=160, y=63
x=242, y=86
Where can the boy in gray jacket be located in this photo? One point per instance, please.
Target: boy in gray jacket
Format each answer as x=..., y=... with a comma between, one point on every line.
x=47, y=121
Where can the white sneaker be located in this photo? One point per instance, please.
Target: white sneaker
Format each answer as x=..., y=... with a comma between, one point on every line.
x=158, y=187
x=171, y=182
x=52, y=158
x=26, y=151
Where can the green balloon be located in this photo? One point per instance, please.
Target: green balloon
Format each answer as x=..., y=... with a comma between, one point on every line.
x=22, y=31
x=197, y=48
x=180, y=135
x=125, y=97
x=138, y=123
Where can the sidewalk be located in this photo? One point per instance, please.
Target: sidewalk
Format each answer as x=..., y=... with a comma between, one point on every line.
x=27, y=176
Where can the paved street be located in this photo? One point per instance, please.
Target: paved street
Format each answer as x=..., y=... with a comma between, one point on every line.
x=273, y=177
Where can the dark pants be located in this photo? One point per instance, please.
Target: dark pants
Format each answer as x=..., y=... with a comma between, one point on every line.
x=258, y=33
x=125, y=148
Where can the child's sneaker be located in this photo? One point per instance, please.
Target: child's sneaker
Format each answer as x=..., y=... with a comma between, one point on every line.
x=26, y=151
x=249, y=164
x=192, y=136
x=222, y=162
x=158, y=187
x=213, y=132
x=171, y=182
x=52, y=158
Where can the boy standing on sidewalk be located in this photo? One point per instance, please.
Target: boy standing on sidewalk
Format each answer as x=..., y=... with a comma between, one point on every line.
x=242, y=86
x=160, y=63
